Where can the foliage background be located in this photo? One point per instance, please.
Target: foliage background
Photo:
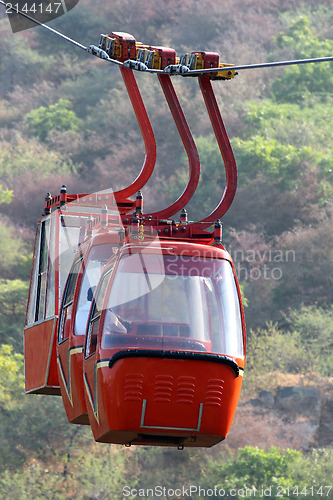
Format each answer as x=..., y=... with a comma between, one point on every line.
x=65, y=119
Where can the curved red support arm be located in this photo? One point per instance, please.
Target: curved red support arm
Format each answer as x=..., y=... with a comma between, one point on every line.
x=147, y=134
x=225, y=148
x=190, y=147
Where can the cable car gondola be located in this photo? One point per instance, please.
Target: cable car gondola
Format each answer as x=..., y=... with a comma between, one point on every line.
x=159, y=355
x=177, y=330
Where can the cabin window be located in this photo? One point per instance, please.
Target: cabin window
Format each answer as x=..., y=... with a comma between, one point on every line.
x=37, y=298
x=230, y=311
x=51, y=282
x=174, y=302
x=67, y=303
x=95, y=315
x=68, y=245
x=53, y=257
x=42, y=272
x=33, y=283
x=92, y=272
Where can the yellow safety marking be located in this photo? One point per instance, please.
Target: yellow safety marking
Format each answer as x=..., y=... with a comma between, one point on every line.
x=68, y=385
x=77, y=350
x=94, y=401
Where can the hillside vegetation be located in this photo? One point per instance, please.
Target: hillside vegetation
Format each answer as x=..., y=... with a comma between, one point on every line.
x=65, y=118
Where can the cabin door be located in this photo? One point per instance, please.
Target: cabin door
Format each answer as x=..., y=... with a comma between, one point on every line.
x=66, y=325
x=91, y=363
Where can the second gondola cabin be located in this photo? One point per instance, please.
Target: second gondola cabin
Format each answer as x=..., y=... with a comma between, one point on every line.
x=83, y=277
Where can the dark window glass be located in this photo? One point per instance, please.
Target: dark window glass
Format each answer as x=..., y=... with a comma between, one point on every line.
x=95, y=315
x=42, y=270
x=31, y=313
x=67, y=303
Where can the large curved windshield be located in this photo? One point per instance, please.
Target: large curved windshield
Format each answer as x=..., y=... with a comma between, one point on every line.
x=187, y=303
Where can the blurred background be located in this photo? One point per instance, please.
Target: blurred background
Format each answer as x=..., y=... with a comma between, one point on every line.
x=65, y=118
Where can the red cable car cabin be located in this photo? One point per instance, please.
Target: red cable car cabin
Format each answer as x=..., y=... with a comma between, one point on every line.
x=83, y=278
x=165, y=339
x=58, y=237
x=165, y=346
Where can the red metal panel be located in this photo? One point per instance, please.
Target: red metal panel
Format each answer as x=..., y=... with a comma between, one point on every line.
x=225, y=148
x=167, y=56
x=209, y=59
x=147, y=399
x=126, y=44
x=147, y=133
x=40, y=358
x=190, y=147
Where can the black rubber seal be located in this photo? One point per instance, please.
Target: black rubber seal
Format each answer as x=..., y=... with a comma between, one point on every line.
x=194, y=356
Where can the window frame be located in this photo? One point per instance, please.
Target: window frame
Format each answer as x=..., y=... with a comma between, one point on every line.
x=103, y=286
x=65, y=303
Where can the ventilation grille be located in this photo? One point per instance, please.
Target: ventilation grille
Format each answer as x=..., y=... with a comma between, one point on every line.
x=185, y=390
x=168, y=389
x=163, y=388
x=133, y=387
x=214, y=392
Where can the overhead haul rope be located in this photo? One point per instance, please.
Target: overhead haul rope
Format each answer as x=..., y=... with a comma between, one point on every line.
x=186, y=72
x=199, y=72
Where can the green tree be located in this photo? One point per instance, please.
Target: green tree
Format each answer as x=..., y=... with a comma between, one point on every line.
x=29, y=157
x=256, y=469
x=31, y=426
x=290, y=123
x=15, y=256
x=5, y=195
x=301, y=134
x=11, y=376
x=20, y=64
x=13, y=301
x=314, y=325
x=281, y=164
x=43, y=121
x=276, y=350
x=301, y=83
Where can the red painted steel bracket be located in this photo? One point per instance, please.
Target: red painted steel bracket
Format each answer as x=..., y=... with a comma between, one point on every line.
x=190, y=147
